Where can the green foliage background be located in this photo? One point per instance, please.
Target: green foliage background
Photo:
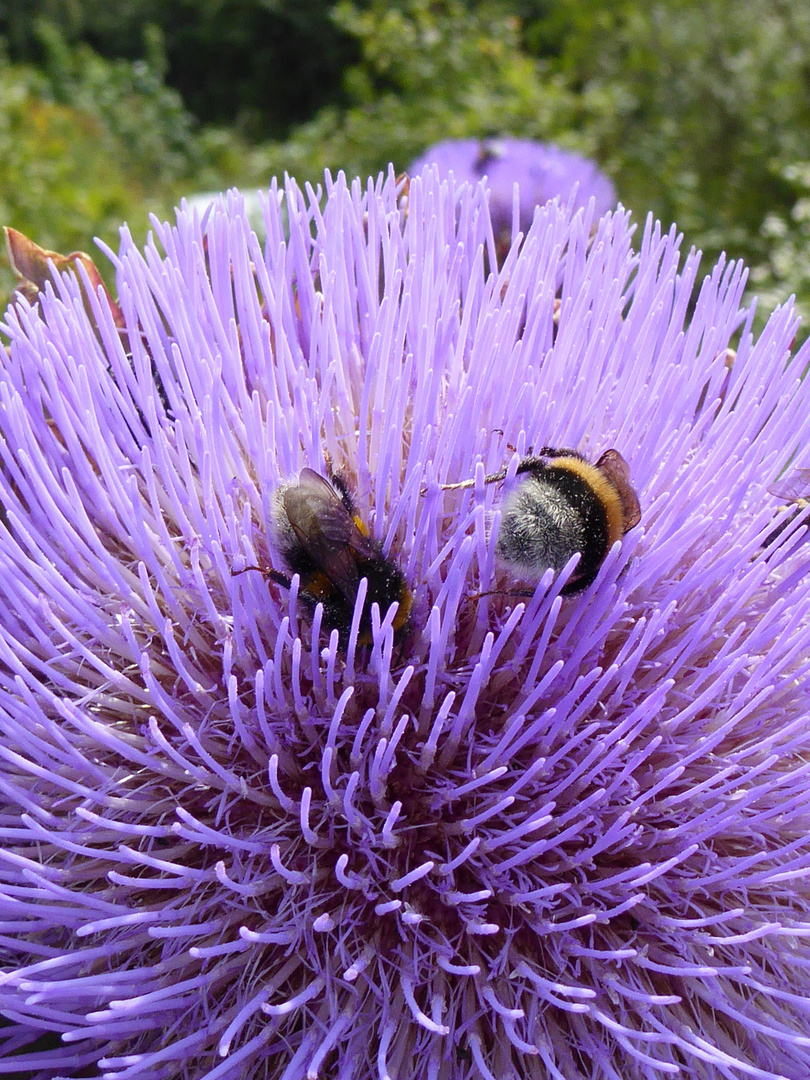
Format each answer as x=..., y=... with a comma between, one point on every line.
x=700, y=112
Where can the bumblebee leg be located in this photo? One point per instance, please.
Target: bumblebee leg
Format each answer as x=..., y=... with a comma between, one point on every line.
x=278, y=578
x=274, y=575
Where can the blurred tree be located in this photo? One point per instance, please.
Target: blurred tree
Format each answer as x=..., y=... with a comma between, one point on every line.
x=256, y=65
x=695, y=109
x=429, y=70
x=86, y=144
x=61, y=177
x=147, y=121
x=785, y=266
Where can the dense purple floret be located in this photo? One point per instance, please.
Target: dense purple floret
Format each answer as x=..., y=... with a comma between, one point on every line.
x=533, y=837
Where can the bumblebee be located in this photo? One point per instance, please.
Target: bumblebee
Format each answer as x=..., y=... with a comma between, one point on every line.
x=564, y=505
x=321, y=538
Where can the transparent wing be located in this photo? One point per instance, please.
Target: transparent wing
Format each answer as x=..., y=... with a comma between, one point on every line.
x=326, y=530
x=793, y=487
x=616, y=469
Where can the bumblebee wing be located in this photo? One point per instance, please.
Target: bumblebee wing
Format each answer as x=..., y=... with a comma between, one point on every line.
x=793, y=487
x=317, y=489
x=326, y=530
x=340, y=525
x=616, y=469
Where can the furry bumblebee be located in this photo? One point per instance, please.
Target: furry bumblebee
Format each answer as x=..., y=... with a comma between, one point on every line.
x=563, y=504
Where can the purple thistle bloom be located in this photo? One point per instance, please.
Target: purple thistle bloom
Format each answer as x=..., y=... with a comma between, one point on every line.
x=541, y=171
x=532, y=837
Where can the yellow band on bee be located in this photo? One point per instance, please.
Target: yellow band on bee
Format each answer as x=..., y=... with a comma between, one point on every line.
x=601, y=487
x=404, y=609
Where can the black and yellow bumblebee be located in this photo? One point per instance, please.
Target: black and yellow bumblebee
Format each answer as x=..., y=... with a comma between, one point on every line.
x=564, y=505
x=317, y=532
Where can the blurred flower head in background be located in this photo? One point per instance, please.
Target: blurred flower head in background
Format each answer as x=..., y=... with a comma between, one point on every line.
x=527, y=837
x=541, y=171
